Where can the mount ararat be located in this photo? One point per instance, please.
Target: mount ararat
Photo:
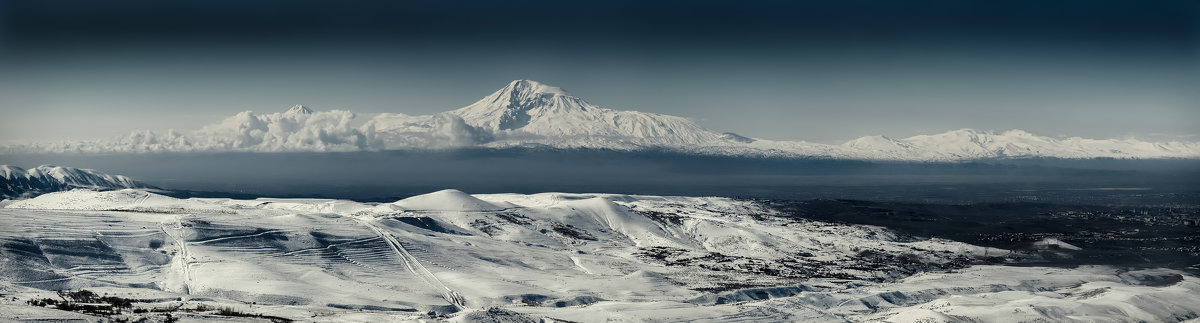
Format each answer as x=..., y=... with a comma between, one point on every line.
x=530, y=114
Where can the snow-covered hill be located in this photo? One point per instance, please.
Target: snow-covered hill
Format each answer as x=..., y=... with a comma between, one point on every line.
x=17, y=182
x=449, y=255
x=527, y=113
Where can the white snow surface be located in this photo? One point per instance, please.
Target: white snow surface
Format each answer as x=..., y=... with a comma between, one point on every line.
x=446, y=200
x=527, y=113
x=453, y=256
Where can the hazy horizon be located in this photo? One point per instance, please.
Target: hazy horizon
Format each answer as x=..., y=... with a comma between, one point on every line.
x=821, y=72
x=662, y=160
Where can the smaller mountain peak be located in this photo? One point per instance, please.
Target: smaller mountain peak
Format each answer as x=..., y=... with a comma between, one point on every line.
x=736, y=138
x=299, y=109
x=962, y=133
x=875, y=141
x=1019, y=133
x=967, y=131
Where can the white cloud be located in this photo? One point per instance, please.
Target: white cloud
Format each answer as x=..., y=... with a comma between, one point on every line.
x=295, y=130
x=317, y=131
x=300, y=129
x=443, y=130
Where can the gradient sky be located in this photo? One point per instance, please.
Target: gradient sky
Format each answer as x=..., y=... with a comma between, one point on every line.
x=818, y=71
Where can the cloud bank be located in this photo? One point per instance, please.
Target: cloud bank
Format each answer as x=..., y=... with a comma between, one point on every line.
x=300, y=129
x=296, y=130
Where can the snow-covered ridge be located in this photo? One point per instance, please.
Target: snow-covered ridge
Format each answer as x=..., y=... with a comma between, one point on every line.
x=527, y=113
x=975, y=144
x=18, y=182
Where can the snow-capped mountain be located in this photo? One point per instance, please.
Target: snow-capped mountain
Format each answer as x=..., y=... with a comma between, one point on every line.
x=17, y=182
x=531, y=111
x=527, y=113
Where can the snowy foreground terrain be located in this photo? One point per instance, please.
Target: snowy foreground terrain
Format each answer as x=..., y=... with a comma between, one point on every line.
x=452, y=256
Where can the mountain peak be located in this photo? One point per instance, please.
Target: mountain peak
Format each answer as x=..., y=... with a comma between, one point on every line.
x=299, y=109
x=517, y=104
x=532, y=87
x=525, y=108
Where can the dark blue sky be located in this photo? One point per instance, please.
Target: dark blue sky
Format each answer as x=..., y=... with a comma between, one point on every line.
x=820, y=71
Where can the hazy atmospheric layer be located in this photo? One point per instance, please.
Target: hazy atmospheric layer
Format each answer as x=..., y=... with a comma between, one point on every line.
x=822, y=71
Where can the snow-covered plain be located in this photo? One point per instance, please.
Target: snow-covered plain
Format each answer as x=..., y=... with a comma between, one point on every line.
x=530, y=114
x=552, y=256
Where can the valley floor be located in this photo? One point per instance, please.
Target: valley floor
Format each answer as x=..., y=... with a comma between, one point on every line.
x=452, y=256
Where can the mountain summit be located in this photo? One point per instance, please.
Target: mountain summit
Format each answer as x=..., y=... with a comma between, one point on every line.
x=526, y=108
x=515, y=105
x=298, y=109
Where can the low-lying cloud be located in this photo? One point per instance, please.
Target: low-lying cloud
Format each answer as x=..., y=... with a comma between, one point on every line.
x=297, y=130
x=302, y=130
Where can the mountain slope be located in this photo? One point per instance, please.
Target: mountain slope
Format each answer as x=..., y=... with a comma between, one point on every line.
x=17, y=182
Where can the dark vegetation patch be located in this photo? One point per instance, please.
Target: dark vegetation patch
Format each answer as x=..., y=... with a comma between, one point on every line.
x=228, y=311
x=799, y=265
x=905, y=263
x=514, y=218
x=488, y=228
x=716, y=261
x=88, y=302
x=1154, y=279
x=527, y=299
x=497, y=314
x=235, y=234
x=724, y=286
x=1133, y=236
x=749, y=293
x=663, y=217
x=575, y=301
x=371, y=308
x=426, y=223
x=573, y=232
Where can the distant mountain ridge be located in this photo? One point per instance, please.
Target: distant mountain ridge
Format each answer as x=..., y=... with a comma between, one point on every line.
x=526, y=113
x=17, y=182
x=974, y=144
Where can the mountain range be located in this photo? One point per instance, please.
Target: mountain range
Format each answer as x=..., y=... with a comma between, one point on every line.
x=526, y=113
x=17, y=182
